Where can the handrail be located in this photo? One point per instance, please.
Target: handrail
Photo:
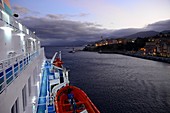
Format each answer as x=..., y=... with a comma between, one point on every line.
x=36, y=104
x=15, y=58
x=10, y=72
x=56, y=53
x=52, y=60
x=11, y=57
x=57, y=67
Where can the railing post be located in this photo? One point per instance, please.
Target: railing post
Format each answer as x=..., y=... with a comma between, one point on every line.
x=23, y=68
x=53, y=103
x=25, y=62
x=47, y=104
x=13, y=74
x=18, y=61
x=5, y=84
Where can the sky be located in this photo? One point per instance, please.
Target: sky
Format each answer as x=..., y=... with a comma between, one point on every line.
x=85, y=20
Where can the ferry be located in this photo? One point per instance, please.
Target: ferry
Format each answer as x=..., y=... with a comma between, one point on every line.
x=29, y=82
x=72, y=51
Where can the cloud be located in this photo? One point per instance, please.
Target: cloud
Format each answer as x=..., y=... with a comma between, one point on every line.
x=66, y=16
x=124, y=13
x=59, y=29
x=159, y=26
x=23, y=11
x=83, y=14
x=55, y=30
x=55, y=16
x=20, y=10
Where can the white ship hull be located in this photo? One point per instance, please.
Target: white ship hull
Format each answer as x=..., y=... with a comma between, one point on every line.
x=21, y=63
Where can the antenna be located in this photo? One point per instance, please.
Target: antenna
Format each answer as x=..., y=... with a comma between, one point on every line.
x=102, y=37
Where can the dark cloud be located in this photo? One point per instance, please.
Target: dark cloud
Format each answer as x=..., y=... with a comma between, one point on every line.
x=66, y=16
x=159, y=26
x=53, y=30
x=56, y=16
x=76, y=15
x=58, y=29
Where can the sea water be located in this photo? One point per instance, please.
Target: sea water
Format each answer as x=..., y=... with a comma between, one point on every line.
x=117, y=83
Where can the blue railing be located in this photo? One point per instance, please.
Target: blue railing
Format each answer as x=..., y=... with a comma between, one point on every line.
x=11, y=68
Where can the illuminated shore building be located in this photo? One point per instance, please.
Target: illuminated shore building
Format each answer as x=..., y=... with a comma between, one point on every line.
x=106, y=42
x=168, y=49
x=131, y=40
x=158, y=45
x=150, y=48
x=121, y=41
x=165, y=47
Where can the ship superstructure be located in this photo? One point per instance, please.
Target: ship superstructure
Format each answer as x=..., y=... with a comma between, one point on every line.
x=30, y=83
x=21, y=60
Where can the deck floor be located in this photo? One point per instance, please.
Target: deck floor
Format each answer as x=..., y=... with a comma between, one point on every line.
x=43, y=91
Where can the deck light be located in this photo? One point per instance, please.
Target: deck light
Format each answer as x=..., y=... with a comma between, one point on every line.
x=33, y=99
x=7, y=32
x=6, y=28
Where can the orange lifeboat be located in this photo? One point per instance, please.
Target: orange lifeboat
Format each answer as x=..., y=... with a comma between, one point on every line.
x=71, y=99
x=57, y=62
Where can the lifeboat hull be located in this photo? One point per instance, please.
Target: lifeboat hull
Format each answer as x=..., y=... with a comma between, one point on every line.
x=71, y=99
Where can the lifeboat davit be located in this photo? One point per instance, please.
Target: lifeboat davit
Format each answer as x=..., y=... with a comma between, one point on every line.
x=71, y=99
x=57, y=62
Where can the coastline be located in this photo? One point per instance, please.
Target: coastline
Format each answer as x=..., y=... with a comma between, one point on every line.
x=154, y=58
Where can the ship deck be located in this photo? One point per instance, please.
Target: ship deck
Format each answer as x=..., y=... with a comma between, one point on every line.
x=44, y=88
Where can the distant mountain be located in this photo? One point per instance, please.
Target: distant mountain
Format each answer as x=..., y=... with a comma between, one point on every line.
x=143, y=34
x=77, y=43
x=125, y=32
x=166, y=31
x=149, y=30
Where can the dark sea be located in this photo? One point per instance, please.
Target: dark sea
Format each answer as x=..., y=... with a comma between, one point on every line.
x=117, y=83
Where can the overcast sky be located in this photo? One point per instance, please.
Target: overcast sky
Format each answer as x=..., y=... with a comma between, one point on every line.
x=62, y=21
